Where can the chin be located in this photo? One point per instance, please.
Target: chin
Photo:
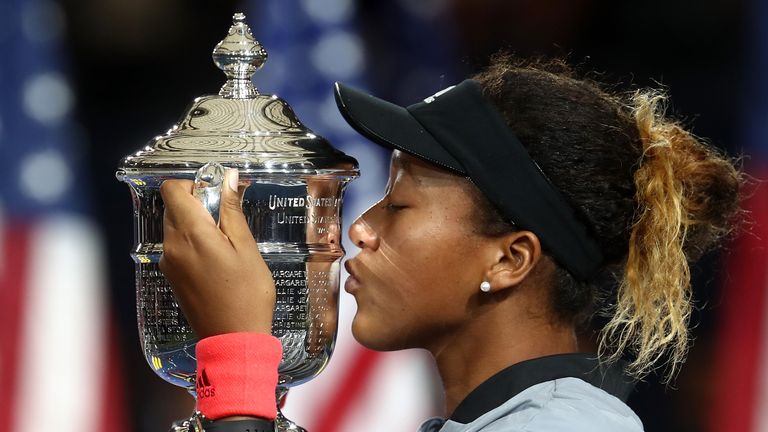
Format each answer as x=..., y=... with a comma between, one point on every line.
x=365, y=332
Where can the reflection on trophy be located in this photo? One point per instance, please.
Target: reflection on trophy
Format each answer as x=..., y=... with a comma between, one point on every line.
x=294, y=181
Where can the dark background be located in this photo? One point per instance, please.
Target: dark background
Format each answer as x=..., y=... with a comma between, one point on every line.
x=136, y=64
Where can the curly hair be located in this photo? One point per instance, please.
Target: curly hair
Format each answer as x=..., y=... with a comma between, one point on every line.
x=655, y=197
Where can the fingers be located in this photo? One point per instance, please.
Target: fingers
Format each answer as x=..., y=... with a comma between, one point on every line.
x=217, y=274
x=184, y=215
x=231, y=218
x=182, y=209
x=187, y=225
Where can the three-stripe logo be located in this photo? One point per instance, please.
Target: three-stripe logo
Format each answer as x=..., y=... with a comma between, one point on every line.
x=203, y=386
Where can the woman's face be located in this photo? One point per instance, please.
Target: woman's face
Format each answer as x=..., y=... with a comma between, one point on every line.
x=420, y=263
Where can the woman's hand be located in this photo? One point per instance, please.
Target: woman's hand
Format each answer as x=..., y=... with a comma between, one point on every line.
x=217, y=273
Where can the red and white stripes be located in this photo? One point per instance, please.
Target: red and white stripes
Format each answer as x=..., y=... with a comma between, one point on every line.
x=55, y=333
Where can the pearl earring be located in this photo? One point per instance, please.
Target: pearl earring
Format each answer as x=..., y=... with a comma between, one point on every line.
x=485, y=286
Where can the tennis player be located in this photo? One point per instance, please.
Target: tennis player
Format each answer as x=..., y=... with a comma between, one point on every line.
x=519, y=203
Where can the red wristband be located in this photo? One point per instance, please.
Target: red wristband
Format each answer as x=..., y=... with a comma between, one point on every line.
x=237, y=375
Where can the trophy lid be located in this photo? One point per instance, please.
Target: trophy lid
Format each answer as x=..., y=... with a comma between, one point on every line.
x=240, y=127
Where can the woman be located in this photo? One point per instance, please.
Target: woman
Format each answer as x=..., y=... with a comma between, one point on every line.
x=512, y=199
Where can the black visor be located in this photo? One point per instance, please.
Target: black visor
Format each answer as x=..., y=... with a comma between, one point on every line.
x=460, y=130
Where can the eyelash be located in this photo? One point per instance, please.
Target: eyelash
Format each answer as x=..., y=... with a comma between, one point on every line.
x=394, y=208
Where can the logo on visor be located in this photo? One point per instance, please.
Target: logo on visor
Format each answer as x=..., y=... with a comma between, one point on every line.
x=438, y=94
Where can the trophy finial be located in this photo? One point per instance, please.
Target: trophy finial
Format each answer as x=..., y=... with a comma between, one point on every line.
x=239, y=55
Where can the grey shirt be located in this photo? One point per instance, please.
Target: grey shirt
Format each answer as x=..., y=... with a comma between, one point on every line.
x=568, y=392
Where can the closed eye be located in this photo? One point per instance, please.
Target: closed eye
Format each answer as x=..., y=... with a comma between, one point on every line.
x=394, y=207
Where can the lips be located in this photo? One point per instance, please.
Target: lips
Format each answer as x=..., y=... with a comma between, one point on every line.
x=352, y=284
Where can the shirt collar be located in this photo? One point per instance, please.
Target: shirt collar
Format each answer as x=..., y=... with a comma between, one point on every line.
x=502, y=386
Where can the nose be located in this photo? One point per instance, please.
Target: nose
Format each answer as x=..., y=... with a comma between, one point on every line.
x=363, y=235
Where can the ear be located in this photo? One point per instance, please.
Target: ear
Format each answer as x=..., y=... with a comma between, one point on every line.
x=516, y=255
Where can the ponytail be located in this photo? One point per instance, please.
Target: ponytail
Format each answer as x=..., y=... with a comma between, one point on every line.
x=685, y=195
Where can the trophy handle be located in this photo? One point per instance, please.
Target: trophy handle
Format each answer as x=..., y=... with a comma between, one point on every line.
x=208, y=182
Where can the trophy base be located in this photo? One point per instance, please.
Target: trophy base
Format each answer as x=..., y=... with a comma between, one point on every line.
x=192, y=424
x=183, y=426
x=282, y=424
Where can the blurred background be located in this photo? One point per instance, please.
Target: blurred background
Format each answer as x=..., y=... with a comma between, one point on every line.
x=84, y=83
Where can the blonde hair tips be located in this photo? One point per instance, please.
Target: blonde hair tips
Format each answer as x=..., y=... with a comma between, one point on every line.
x=685, y=196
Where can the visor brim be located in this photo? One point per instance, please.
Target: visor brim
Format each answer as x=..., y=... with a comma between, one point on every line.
x=391, y=126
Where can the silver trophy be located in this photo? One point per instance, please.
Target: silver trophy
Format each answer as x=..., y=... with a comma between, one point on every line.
x=294, y=182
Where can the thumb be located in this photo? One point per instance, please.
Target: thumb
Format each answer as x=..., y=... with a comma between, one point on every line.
x=231, y=218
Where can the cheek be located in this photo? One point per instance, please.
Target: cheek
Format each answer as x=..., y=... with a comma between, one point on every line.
x=419, y=281
x=427, y=263
x=420, y=293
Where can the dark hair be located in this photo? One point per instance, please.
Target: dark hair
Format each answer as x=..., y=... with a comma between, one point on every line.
x=653, y=195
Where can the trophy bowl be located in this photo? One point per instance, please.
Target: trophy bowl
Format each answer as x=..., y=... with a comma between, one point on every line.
x=294, y=184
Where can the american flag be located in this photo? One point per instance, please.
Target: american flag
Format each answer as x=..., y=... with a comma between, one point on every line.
x=741, y=380
x=312, y=44
x=56, y=365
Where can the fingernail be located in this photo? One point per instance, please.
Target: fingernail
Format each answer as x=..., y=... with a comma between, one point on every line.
x=234, y=178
